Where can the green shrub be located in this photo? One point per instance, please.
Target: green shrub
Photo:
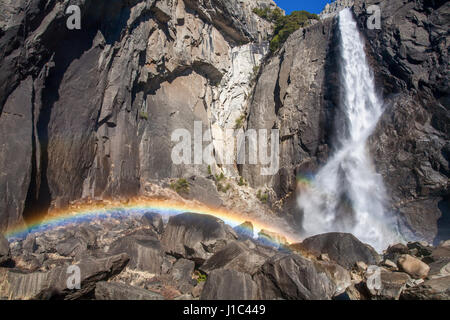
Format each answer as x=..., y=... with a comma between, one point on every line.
x=269, y=14
x=239, y=123
x=286, y=25
x=201, y=277
x=242, y=182
x=143, y=115
x=220, y=177
x=209, y=170
x=180, y=186
x=262, y=197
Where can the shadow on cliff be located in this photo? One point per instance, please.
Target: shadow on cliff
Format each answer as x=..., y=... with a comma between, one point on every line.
x=65, y=46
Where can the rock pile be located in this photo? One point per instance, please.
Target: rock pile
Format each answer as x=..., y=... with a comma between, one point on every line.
x=193, y=256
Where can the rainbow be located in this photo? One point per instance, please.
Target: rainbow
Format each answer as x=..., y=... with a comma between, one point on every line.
x=167, y=208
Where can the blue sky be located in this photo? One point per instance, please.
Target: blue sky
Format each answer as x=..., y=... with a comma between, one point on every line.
x=313, y=6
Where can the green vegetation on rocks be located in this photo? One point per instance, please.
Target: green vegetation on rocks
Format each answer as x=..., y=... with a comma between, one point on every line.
x=284, y=25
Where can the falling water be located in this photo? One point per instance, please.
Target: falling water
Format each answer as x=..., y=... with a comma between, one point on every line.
x=347, y=195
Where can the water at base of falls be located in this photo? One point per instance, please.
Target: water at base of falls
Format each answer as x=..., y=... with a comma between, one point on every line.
x=347, y=195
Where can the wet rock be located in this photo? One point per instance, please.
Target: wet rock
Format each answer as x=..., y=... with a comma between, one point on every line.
x=236, y=256
x=146, y=253
x=154, y=220
x=435, y=289
x=343, y=248
x=53, y=284
x=413, y=266
x=119, y=291
x=409, y=57
x=293, y=277
x=196, y=237
x=229, y=285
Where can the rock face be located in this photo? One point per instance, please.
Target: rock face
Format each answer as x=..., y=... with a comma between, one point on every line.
x=342, y=248
x=4, y=250
x=411, y=146
x=289, y=95
x=90, y=112
x=333, y=8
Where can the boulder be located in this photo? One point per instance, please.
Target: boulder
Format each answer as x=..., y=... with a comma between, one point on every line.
x=434, y=289
x=271, y=239
x=393, y=252
x=146, y=253
x=229, y=285
x=338, y=275
x=422, y=249
x=236, y=256
x=154, y=220
x=29, y=244
x=196, y=237
x=54, y=283
x=439, y=268
x=245, y=230
x=181, y=274
x=71, y=247
x=390, y=286
x=5, y=253
x=413, y=266
x=293, y=277
x=343, y=248
x=120, y=291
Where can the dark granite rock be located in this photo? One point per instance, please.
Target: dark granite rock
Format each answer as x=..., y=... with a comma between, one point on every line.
x=181, y=274
x=245, y=230
x=154, y=220
x=229, y=285
x=343, y=248
x=293, y=277
x=121, y=291
x=435, y=289
x=236, y=256
x=145, y=252
x=196, y=237
x=5, y=253
x=53, y=284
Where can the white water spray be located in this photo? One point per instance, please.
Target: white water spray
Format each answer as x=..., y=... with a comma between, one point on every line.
x=347, y=195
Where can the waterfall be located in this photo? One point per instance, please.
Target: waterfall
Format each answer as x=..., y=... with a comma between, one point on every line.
x=347, y=195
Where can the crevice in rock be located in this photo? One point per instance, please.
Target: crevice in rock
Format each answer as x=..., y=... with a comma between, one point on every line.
x=39, y=195
x=277, y=90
